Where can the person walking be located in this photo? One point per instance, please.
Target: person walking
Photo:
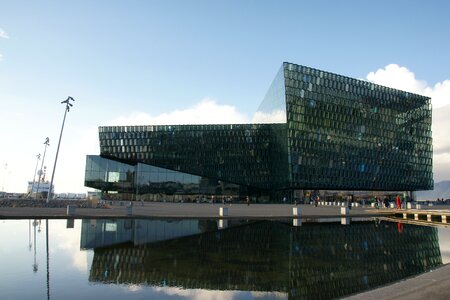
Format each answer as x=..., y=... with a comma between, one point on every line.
x=379, y=202
x=248, y=200
x=398, y=200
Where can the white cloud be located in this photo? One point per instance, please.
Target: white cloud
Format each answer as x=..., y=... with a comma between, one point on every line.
x=402, y=78
x=134, y=288
x=208, y=111
x=216, y=295
x=3, y=34
x=69, y=244
x=441, y=125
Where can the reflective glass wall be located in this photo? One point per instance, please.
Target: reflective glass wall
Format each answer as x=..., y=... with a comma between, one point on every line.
x=338, y=133
x=243, y=154
x=273, y=107
x=345, y=133
x=121, y=181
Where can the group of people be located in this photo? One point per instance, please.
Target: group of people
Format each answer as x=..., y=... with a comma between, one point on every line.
x=386, y=202
x=441, y=200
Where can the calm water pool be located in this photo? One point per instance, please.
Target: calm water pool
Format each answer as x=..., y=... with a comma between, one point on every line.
x=208, y=259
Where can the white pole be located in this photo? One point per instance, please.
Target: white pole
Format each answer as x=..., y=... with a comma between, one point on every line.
x=68, y=105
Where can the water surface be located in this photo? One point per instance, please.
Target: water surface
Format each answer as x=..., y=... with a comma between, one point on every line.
x=208, y=259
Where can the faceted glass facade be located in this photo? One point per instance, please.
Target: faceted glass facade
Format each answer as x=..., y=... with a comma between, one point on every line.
x=345, y=133
x=314, y=130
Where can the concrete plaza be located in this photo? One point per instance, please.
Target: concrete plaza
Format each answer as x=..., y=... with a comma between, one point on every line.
x=192, y=210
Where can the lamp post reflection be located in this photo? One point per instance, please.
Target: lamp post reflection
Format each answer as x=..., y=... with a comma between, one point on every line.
x=29, y=235
x=48, y=260
x=35, y=264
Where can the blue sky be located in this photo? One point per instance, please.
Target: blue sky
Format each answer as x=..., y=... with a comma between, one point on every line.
x=140, y=61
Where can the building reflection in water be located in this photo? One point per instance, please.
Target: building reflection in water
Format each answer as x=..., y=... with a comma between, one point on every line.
x=315, y=260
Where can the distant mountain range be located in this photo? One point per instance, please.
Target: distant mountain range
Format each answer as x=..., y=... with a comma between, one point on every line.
x=441, y=190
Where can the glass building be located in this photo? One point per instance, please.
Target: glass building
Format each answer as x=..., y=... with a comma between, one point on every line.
x=315, y=132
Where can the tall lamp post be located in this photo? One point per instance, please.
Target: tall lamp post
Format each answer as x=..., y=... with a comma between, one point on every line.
x=68, y=106
x=46, y=143
x=38, y=157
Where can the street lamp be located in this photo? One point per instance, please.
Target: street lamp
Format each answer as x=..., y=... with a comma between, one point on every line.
x=68, y=106
x=46, y=143
x=35, y=169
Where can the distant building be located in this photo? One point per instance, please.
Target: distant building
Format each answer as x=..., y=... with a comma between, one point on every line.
x=71, y=196
x=317, y=132
x=42, y=187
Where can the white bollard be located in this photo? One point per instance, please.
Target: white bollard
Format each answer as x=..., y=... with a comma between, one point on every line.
x=408, y=205
x=296, y=211
x=418, y=206
x=344, y=210
x=416, y=217
x=71, y=210
x=296, y=222
x=223, y=224
x=372, y=204
x=429, y=218
x=392, y=205
x=345, y=221
x=223, y=211
x=405, y=216
x=444, y=219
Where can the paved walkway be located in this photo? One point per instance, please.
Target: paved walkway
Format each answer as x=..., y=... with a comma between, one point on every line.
x=192, y=210
x=200, y=210
x=433, y=285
